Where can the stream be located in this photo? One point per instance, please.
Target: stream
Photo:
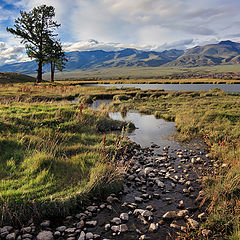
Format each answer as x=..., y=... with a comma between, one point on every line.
x=160, y=197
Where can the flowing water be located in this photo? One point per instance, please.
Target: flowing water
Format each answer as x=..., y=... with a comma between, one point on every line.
x=177, y=87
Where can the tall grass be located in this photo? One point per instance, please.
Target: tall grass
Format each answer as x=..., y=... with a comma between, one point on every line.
x=51, y=159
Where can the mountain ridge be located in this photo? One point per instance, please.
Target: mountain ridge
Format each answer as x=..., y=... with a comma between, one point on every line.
x=224, y=52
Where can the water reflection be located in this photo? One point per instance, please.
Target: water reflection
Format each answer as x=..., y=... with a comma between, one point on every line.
x=149, y=129
x=178, y=87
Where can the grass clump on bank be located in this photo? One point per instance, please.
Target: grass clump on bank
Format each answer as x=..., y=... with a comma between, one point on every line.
x=52, y=159
x=214, y=116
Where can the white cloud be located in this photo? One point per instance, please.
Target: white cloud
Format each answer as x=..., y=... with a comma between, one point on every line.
x=12, y=54
x=141, y=24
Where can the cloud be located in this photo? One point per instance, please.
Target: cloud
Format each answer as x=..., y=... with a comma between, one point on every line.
x=12, y=54
x=142, y=24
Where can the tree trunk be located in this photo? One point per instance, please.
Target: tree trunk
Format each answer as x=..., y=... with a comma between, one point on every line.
x=52, y=71
x=39, y=74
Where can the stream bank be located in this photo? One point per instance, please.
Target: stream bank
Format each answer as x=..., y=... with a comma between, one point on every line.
x=160, y=198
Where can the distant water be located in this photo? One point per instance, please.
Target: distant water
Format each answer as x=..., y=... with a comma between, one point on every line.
x=178, y=87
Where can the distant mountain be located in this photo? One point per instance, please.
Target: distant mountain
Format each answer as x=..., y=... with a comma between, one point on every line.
x=101, y=59
x=225, y=52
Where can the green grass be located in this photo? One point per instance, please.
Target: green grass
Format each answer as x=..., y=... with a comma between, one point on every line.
x=51, y=159
x=10, y=77
x=141, y=72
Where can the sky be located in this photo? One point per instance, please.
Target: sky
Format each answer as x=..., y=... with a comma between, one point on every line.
x=116, y=24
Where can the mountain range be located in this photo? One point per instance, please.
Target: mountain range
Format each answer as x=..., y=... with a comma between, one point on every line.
x=225, y=52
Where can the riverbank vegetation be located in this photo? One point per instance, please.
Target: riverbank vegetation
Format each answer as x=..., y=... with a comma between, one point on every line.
x=55, y=153
x=214, y=116
x=53, y=157
x=113, y=73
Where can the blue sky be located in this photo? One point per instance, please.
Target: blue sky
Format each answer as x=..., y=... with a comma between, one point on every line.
x=116, y=24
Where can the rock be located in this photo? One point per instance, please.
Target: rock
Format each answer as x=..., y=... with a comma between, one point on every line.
x=116, y=220
x=107, y=227
x=91, y=224
x=170, y=215
x=81, y=216
x=92, y=208
x=160, y=184
x=110, y=199
x=124, y=216
x=181, y=204
x=143, y=237
x=115, y=228
x=80, y=224
x=57, y=234
x=182, y=213
x=193, y=223
x=6, y=229
x=153, y=227
x=123, y=228
x=146, y=213
x=45, y=224
x=138, y=199
x=96, y=236
x=26, y=230
x=45, y=235
x=147, y=170
x=27, y=236
x=61, y=228
x=82, y=236
x=11, y=236
x=206, y=232
x=70, y=230
x=138, y=212
x=89, y=235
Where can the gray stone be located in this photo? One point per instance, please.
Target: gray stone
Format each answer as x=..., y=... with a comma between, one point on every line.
x=91, y=223
x=26, y=230
x=70, y=230
x=123, y=228
x=27, y=235
x=107, y=227
x=160, y=184
x=61, y=228
x=92, y=208
x=182, y=213
x=11, y=236
x=138, y=199
x=89, y=235
x=82, y=236
x=193, y=223
x=45, y=223
x=115, y=228
x=124, y=216
x=170, y=215
x=45, y=235
x=153, y=227
x=116, y=220
x=57, y=234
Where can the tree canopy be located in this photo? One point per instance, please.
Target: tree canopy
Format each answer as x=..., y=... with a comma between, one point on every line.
x=36, y=30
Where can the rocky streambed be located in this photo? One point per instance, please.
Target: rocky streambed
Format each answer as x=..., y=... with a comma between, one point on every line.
x=160, y=198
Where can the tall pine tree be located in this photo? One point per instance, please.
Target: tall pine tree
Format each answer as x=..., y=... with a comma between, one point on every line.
x=36, y=28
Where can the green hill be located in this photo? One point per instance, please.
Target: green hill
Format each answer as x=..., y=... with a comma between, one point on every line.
x=11, y=77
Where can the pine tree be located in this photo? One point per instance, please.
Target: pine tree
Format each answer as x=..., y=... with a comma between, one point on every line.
x=36, y=28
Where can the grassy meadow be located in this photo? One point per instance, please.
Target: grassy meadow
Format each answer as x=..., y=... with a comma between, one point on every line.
x=149, y=73
x=52, y=152
x=53, y=157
